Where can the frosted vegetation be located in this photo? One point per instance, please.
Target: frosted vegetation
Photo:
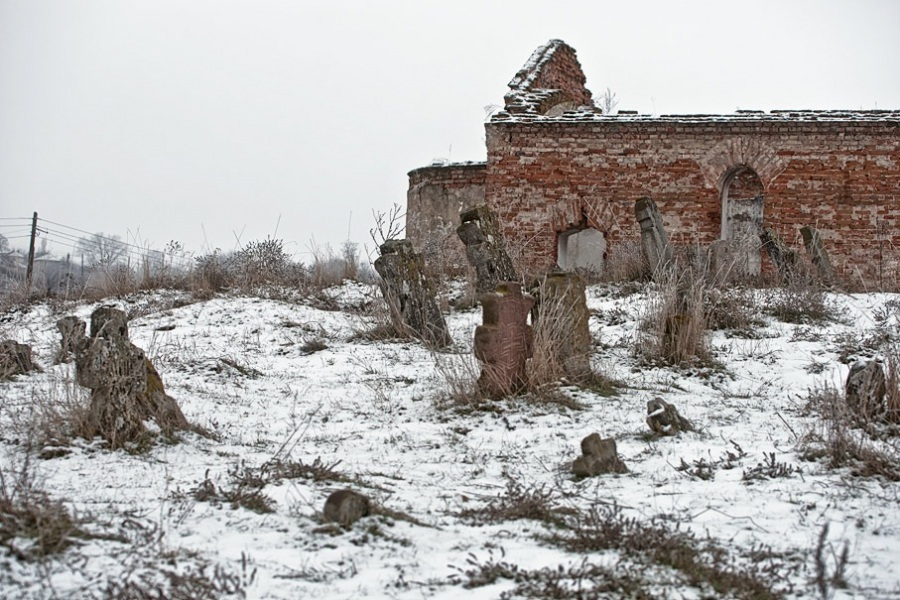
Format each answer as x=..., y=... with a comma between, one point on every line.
x=297, y=387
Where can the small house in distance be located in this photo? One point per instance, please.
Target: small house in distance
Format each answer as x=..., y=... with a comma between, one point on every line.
x=563, y=178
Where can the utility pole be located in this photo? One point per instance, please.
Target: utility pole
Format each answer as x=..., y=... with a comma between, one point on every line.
x=29, y=272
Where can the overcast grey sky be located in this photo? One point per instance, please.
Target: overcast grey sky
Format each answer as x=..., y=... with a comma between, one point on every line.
x=204, y=121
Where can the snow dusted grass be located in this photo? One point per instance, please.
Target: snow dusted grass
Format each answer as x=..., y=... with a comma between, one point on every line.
x=471, y=498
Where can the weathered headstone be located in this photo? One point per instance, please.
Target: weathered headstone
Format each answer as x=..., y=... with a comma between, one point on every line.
x=504, y=341
x=72, y=329
x=663, y=418
x=410, y=294
x=812, y=241
x=658, y=253
x=560, y=318
x=783, y=257
x=865, y=389
x=598, y=456
x=345, y=507
x=126, y=389
x=485, y=250
x=15, y=359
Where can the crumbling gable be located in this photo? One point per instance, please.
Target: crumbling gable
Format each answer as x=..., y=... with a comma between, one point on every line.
x=550, y=82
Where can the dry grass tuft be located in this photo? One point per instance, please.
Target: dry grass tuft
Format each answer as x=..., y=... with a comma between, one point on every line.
x=838, y=438
x=32, y=525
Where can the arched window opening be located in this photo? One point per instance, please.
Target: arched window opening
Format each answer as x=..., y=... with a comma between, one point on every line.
x=742, y=219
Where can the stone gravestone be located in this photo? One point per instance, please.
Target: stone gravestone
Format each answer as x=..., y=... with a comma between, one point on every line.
x=560, y=318
x=15, y=359
x=812, y=241
x=663, y=418
x=410, y=294
x=345, y=507
x=783, y=257
x=72, y=330
x=126, y=390
x=865, y=390
x=504, y=341
x=658, y=253
x=598, y=456
x=485, y=249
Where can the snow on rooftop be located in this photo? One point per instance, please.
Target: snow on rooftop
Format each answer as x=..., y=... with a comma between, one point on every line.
x=594, y=114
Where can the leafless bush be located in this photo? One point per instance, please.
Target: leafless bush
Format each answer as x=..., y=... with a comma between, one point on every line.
x=802, y=299
x=625, y=263
x=734, y=309
x=519, y=502
x=213, y=271
x=260, y=262
x=28, y=513
x=674, y=324
x=837, y=438
x=178, y=582
x=244, y=490
x=460, y=374
x=702, y=562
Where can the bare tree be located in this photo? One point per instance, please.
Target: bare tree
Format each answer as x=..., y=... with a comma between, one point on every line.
x=608, y=102
x=101, y=249
x=4, y=243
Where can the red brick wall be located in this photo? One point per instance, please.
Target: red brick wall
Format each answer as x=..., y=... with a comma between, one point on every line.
x=436, y=196
x=841, y=176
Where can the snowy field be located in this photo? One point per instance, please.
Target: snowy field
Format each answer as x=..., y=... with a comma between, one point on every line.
x=474, y=501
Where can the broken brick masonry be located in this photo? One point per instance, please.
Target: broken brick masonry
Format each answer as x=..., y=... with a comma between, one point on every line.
x=555, y=164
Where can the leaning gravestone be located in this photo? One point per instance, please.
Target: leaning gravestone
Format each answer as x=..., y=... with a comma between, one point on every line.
x=560, y=318
x=15, y=359
x=658, y=253
x=410, y=294
x=504, y=341
x=598, y=456
x=784, y=258
x=812, y=241
x=126, y=390
x=485, y=249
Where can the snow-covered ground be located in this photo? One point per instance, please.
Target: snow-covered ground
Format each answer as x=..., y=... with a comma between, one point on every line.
x=280, y=382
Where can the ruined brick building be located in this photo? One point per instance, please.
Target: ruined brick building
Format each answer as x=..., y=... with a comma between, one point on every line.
x=563, y=177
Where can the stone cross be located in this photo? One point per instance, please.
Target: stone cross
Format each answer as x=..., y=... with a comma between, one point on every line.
x=504, y=341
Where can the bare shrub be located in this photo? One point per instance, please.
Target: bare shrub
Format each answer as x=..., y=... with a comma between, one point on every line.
x=838, y=439
x=58, y=414
x=701, y=561
x=734, y=309
x=260, y=262
x=802, y=300
x=244, y=490
x=460, y=373
x=213, y=272
x=28, y=513
x=519, y=502
x=673, y=329
x=350, y=259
